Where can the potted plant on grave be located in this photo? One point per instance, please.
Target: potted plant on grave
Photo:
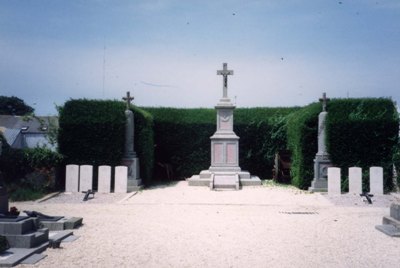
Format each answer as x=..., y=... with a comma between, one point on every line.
x=13, y=211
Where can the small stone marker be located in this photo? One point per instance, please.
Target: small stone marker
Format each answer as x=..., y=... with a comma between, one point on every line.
x=355, y=180
x=334, y=181
x=121, y=179
x=376, y=180
x=72, y=178
x=86, y=177
x=104, y=182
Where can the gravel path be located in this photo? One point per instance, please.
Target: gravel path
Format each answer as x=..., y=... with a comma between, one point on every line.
x=180, y=226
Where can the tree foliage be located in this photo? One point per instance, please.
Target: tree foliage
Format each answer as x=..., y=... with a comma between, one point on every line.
x=14, y=106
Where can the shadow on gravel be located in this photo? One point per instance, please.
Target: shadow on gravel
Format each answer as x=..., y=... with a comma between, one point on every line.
x=162, y=185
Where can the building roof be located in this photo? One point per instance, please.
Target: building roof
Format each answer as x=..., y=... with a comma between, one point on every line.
x=27, y=132
x=27, y=124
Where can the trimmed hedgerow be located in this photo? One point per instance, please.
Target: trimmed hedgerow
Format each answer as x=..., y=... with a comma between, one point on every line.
x=302, y=127
x=93, y=132
x=182, y=138
x=360, y=132
x=363, y=133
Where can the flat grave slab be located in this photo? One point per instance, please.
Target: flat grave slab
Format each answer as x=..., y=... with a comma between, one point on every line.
x=65, y=223
x=14, y=256
x=389, y=229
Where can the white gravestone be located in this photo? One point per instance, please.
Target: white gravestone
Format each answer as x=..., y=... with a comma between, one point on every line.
x=86, y=178
x=334, y=181
x=376, y=180
x=121, y=179
x=104, y=182
x=355, y=180
x=72, y=178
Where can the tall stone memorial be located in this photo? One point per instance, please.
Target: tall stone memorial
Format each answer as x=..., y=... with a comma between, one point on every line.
x=130, y=159
x=224, y=171
x=321, y=161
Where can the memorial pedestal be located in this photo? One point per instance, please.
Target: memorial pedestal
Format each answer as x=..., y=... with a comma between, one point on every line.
x=224, y=171
x=134, y=182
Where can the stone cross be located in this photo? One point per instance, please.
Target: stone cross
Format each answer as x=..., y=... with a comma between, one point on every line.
x=225, y=72
x=324, y=101
x=128, y=99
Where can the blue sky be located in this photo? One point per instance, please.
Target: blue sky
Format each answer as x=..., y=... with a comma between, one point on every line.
x=283, y=53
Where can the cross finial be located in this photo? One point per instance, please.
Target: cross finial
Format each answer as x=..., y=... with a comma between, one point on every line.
x=225, y=72
x=324, y=101
x=128, y=99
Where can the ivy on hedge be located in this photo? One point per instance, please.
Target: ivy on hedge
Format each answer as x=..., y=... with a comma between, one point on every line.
x=93, y=132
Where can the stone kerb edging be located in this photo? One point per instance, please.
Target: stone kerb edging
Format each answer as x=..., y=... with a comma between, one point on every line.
x=80, y=178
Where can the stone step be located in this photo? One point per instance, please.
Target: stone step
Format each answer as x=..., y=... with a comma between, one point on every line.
x=226, y=182
x=28, y=240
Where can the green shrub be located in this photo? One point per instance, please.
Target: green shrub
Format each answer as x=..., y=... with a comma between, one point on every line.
x=31, y=169
x=23, y=193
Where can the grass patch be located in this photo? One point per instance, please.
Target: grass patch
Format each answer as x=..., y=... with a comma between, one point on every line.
x=25, y=194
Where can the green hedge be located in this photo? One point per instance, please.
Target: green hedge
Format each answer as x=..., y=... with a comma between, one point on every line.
x=363, y=133
x=360, y=132
x=302, y=127
x=93, y=132
x=182, y=138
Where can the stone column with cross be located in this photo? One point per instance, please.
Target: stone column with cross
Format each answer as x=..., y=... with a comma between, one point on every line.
x=321, y=161
x=130, y=158
x=224, y=171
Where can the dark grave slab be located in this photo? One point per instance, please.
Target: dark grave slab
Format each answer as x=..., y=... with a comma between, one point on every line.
x=14, y=256
x=389, y=229
x=12, y=218
x=62, y=224
x=29, y=239
x=70, y=238
x=33, y=259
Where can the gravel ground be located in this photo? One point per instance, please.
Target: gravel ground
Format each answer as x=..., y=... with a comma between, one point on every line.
x=180, y=226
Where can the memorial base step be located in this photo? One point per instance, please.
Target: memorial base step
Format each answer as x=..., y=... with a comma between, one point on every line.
x=225, y=182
